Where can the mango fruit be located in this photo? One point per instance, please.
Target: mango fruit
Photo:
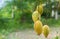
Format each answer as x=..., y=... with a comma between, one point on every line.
x=40, y=9
x=35, y=16
x=46, y=30
x=38, y=27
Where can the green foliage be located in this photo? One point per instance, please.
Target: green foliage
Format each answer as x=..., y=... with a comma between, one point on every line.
x=22, y=16
x=23, y=13
x=56, y=37
x=51, y=22
x=6, y=12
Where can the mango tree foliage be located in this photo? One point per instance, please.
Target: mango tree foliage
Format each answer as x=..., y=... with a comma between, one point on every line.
x=6, y=11
x=25, y=7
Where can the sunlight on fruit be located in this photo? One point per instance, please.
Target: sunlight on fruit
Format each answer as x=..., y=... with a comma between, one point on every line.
x=35, y=16
x=38, y=27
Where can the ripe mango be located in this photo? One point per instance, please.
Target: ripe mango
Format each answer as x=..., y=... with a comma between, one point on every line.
x=38, y=27
x=35, y=16
x=40, y=9
x=46, y=30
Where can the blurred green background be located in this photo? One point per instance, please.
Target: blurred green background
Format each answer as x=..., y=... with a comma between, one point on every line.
x=16, y=15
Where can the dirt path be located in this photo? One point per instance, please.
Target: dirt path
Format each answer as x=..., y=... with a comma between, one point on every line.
x=30, y=34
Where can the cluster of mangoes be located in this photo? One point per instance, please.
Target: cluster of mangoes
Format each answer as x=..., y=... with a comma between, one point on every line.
x=38, y=26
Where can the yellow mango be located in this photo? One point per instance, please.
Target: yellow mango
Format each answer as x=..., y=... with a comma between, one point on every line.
x=46, y=30
x=40, y=9
x=38, y=27
x=35, y=16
